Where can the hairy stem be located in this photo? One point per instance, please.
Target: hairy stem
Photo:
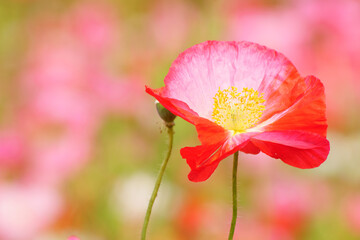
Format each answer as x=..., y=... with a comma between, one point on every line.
x=234, y=196
x=158, y=182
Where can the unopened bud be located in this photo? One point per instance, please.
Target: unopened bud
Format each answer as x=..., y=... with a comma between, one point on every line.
x=165, y=114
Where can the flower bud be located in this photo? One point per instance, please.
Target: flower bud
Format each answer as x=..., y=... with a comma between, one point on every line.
x=165, y=114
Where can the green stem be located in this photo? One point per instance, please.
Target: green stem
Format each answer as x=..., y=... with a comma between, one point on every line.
x=234, y=195
x=157, y=183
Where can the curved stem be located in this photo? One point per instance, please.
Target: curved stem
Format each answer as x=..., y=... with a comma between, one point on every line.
x=234, y=195
x=157, y=183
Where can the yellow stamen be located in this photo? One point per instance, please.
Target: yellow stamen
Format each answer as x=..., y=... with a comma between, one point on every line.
x=237, y=111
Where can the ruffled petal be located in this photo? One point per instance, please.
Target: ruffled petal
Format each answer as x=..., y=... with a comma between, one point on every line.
x=307, y=113
x=281, y=92
x=175, y=106
x=292, y=127
x=198, y=73
x=204, y=159
x=296, y=148
x=210, y=133
x=199, y=160
x=203, y=173
x=250, y=148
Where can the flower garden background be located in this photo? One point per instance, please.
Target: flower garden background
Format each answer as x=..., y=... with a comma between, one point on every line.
x=81, y=142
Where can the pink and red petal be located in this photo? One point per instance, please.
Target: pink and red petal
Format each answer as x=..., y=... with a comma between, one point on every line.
x=307, y=113
x=200, y=162
x=204, y=159
x=280, y=94
x=293, y=125
x=250, y=148
x=210, y=133
x=296, y=148
x=198, y=72
x=175, y=106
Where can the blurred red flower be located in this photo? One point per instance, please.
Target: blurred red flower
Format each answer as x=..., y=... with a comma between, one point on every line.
x=245, y=97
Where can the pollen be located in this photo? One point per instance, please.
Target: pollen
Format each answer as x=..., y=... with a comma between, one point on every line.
x=237, y=111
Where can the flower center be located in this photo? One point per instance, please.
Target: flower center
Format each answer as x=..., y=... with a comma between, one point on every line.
x=237, y=111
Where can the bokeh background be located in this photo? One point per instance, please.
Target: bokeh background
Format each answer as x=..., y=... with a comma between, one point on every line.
x=81, y=144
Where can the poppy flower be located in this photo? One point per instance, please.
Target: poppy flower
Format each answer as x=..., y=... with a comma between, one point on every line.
x=245, y=97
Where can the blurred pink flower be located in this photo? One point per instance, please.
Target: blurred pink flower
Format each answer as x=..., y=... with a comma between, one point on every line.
x=73, y=238
x=70, y=108
x=63, y=74
x=277, y=28
x=285, y=205
x=65, y=94
x=53, y=161
x=122, y=95
x=11, y=148
x=26, y=210
x=252, y=229
x=54, y=59
x=351, y=210
x=334, y=23
x=170, y=23
x=95, y=25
